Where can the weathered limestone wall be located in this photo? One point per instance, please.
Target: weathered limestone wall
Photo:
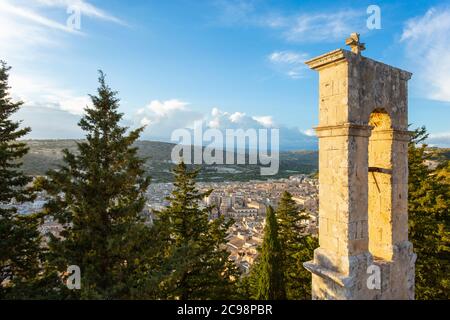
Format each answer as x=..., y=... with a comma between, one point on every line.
x=362, y=213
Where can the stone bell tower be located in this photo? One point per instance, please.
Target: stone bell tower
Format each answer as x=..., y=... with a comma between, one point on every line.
x=363, y=135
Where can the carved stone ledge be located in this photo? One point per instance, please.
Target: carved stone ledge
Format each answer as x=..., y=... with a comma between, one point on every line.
x=338, y=278
x=347, y=129
x=327, y=58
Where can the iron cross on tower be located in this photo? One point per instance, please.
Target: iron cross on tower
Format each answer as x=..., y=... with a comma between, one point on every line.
x=354, y=43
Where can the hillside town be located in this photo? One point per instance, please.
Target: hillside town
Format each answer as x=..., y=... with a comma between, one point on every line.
x=244, y=202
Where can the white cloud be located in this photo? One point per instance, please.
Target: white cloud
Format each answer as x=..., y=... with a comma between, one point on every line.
x=33, y=17
x=160, y=125
x=324, y=26
x=289, y=62
x=290, y=138
x=165, y=108
x=309, y=132
x=237, y=120
x=41, y=92
x=300, y=27
x=49, y=123
x=27, y=35
x=427, y=27
x=428, y=48
x=23, y=32
x=439, y=139
x=288, y=57
x=237, y=117
x=266, y=121
x=328, y=26
x=26, y=29
x=84, y=7
x=163, y=117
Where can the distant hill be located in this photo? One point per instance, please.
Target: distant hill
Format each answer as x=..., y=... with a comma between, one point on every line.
x=47, y=154
x=440, y=154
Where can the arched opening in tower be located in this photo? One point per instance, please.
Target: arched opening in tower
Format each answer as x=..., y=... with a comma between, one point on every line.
x=380, y=185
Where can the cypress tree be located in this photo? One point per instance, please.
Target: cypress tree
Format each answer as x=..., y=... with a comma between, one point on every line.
x=297, y=247
x=271, y=282
x=196, y=257
x=98, y=195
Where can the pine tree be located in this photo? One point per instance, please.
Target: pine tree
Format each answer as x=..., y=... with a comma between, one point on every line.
x=297, y=247
x=196, y=257
x=429, y=220
x=98, y=196
x=271, y=283
x=19, y=236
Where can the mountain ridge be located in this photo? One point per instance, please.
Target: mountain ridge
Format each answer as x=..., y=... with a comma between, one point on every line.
x=45, y=155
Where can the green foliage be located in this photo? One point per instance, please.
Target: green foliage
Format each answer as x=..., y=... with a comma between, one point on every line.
x=195, y=254
x=248, y=284
x=293, y=247
x=429, y=225
x=297, y=247
x=98, y=195
x=20, y=253
x=270, y=271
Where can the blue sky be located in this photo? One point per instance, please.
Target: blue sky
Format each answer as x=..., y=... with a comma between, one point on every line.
x=236, y=63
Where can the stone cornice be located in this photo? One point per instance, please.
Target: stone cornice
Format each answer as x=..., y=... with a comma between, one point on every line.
x=327, y=58
x=352, y=129
x=339, y=55
x=346, y=129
